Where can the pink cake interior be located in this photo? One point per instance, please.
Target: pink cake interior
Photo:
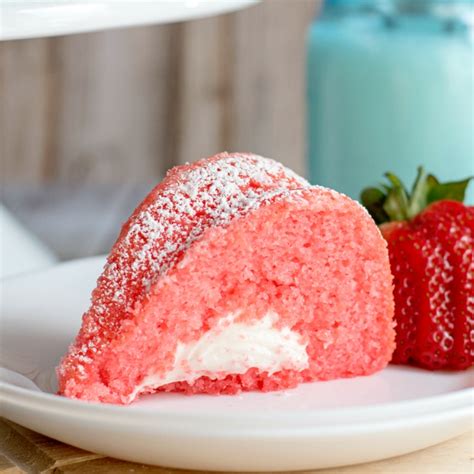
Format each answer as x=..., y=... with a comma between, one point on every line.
x=312, y=256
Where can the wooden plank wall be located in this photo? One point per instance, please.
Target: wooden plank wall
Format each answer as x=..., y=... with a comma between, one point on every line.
x=125, y=105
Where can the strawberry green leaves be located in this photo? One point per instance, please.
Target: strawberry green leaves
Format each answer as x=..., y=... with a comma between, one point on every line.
x=392, y=202
x=373, y=199
x=454, y=191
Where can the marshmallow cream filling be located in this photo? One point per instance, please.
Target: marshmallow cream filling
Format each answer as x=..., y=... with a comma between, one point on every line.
x=232, y=348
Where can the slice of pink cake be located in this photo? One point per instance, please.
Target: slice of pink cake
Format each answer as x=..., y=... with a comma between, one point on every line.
x=235, y=274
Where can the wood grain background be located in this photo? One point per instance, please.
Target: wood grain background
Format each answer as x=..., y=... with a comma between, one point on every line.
x=124, y=105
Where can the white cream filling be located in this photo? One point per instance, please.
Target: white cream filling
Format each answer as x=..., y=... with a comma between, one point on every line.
x=234, y=347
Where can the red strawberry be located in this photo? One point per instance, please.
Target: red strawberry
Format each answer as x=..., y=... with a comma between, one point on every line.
x=430, y=236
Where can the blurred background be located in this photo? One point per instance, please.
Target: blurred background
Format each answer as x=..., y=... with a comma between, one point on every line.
x=124, y=105
x=91, y=121
x=340, y=93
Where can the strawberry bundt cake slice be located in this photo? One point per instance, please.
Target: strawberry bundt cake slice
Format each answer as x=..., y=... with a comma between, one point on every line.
x=234, y=274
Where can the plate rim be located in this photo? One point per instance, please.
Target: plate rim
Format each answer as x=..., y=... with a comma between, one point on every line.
x=441, y=403
x=188, y=12
x=216, y=428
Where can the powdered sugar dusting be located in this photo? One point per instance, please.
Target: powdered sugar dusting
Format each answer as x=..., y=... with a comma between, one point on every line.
x=191, y=199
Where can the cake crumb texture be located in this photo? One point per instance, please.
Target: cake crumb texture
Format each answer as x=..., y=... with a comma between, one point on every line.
x=235, y=233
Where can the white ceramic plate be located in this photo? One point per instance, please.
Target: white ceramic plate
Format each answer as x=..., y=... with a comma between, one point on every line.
x=36, y=18
x=317, y=425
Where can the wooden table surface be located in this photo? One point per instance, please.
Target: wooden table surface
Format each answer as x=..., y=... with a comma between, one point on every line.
x=23, y=451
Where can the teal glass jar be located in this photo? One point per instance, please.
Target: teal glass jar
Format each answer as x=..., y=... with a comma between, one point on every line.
x=390, y=87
